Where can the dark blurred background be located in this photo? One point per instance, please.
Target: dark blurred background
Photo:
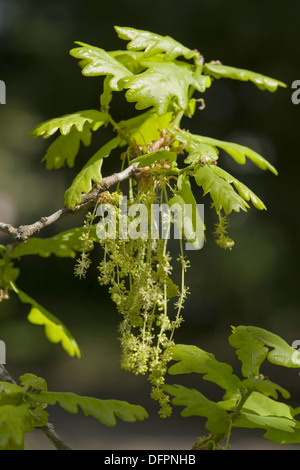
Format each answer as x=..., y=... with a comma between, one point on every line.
x=257, y=283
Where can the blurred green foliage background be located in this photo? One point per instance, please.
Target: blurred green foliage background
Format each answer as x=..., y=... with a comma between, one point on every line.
x=255, y=284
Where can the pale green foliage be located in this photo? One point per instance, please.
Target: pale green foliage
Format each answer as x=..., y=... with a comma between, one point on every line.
x=66, y=123
x=63, y=245
x=22, y=409
x=74, y=128
x=96, y=61
x=91, y=172
x=154, y=78
x=260, y=411
x=261, y=81
x=248, y=403
x=193, y=359
x=221, y=192
x=200, y=152
x=8, y=272
x=14, y=422
x=153, y=157
x=146, y=88
x=145, y=127
x=252, y=348
x=105, y=411
x=154, y=43
x=65, y=148
x=236, y=151
x=196, y=404
x=55, y=331
x=266, y=387
x=34, y=382
x=18, y=415
x=244, y=192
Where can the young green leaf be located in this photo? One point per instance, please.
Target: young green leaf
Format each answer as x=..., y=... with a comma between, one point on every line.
x=91, y=172
x=131, y=60
x=64, y=148
x=104, y=411
x=222, y=193
x=146, y=127
x=8, y=272
x=54, y=329
x=63, y=245
x=197, y=404
x=239, y=153
x=244, y=192
x=203, y=153
x=154, y=43
x=230, y=400
x=18, y=415
x=161, y=84
x=96, y=61
x=265, y=386
x=236, y=151
x=14, y=422
x=261, y=81
x=193, y=359
x=92, y=117
x=74, y=128
x=150, y=158
x=270, y=423
x=198, y=152
x=33, y=381
x=190, y=111
x=11, y=394
x=280, y=436
x=106, y=95
x=252, y=345
x=260, y=411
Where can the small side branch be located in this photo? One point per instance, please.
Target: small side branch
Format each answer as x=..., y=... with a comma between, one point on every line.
x=23, y=232
x=58, y=443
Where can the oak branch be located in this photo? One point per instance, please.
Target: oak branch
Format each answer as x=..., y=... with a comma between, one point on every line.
x=23, y=232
